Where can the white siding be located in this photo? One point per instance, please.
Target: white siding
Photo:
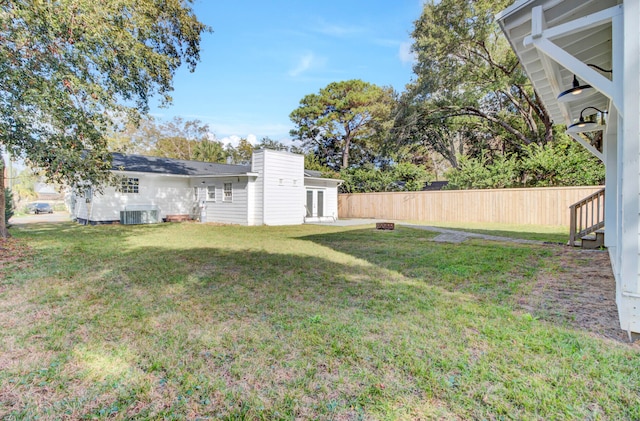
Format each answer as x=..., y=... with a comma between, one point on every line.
x=228, y=212
x=257, y=166
x=330, y=189
x=283, y=188
x=331, y=202
x=171, y=195
x=80, y=208
x=251, y=199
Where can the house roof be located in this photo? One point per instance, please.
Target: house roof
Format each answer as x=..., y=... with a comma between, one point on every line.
x=169, y=166
x=312, y=173
x=590, y=44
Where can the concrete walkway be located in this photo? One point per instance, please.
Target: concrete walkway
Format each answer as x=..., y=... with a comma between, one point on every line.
x=454, y=236
x=446, y=235
x=58, y=216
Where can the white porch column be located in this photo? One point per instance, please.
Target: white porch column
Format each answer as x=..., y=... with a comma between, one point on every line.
x=610, y=149
x=629, y=290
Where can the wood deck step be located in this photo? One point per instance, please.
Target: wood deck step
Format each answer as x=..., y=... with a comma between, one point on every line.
x=593, y=241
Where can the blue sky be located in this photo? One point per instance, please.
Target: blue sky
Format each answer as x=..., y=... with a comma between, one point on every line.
x=265, y=56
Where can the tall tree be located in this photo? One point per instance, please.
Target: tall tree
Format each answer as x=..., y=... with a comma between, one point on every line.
x=344, y=121
x=179, y=139
x=70, y=68
x=208, y=150
x=135, y=137
x=268, y=143
x=240, y=154
x=465, y=67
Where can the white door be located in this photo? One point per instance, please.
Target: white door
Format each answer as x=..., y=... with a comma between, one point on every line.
x=315, y=203
x=202, y=202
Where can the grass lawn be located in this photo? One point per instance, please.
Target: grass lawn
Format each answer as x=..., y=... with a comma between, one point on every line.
x=189, y=321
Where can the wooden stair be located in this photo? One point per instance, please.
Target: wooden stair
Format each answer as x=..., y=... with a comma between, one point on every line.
x=587, y=222
x=593, y=241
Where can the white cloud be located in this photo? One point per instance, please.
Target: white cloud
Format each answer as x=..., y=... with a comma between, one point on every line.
x=304, y=63
x=251, y=131
x=230, y=129
x=405, y=54
x=337, y=30
x=234, y=140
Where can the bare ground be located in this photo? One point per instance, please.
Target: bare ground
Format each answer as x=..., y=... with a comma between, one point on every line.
x=578, y=291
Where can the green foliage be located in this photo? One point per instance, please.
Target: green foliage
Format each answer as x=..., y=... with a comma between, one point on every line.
x=8, y=205
x=182, y=139
x=69, y=69
x=470, y=91
x=345, y=122
x=412, y=177
x=24, y=185
x=562, y=163
x=268, y=143
x=177, y=139
x=313, y=162
x=481, y=173
x=240, y=154
x=400, y=177
x=210, y=151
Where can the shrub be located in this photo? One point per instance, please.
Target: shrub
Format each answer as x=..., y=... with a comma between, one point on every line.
x=8, y=204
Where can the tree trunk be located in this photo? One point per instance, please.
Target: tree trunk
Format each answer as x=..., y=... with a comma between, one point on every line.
x=345, y=153
x=4, y=232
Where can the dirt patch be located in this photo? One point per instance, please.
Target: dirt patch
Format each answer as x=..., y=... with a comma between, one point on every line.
x=578, y=291
x=14, y=252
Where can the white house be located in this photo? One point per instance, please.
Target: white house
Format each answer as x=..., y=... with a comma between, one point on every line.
x=274, y=190
x=583, y=58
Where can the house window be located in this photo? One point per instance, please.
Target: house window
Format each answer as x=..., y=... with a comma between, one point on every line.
x=211, y=193
x=228, y=192
x=129, y=185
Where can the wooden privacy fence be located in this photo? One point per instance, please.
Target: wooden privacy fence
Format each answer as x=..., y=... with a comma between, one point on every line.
x=536, y=206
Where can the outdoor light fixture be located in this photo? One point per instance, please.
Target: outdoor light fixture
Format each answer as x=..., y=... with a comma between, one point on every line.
x=579, y=91
x=585, y=126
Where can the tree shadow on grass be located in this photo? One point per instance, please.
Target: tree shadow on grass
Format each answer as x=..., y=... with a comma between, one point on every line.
x=369, y=320
x=489, y=270
x=281, y=332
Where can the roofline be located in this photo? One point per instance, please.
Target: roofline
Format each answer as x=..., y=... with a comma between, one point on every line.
x=246, y=174
x=176, y=159
x=325, y=179
x=150, y=173
x=512, y=9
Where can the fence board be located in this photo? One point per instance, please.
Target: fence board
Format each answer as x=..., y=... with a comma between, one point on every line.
x=535, y=206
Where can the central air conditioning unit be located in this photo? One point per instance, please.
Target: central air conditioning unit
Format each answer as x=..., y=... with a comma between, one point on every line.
x=140, y=214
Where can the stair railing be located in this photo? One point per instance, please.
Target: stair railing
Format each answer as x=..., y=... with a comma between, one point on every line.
x=586, y=216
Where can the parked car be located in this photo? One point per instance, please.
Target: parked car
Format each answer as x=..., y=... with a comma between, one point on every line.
x=39, y=207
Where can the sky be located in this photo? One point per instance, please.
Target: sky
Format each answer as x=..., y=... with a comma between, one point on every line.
x=265, y=56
